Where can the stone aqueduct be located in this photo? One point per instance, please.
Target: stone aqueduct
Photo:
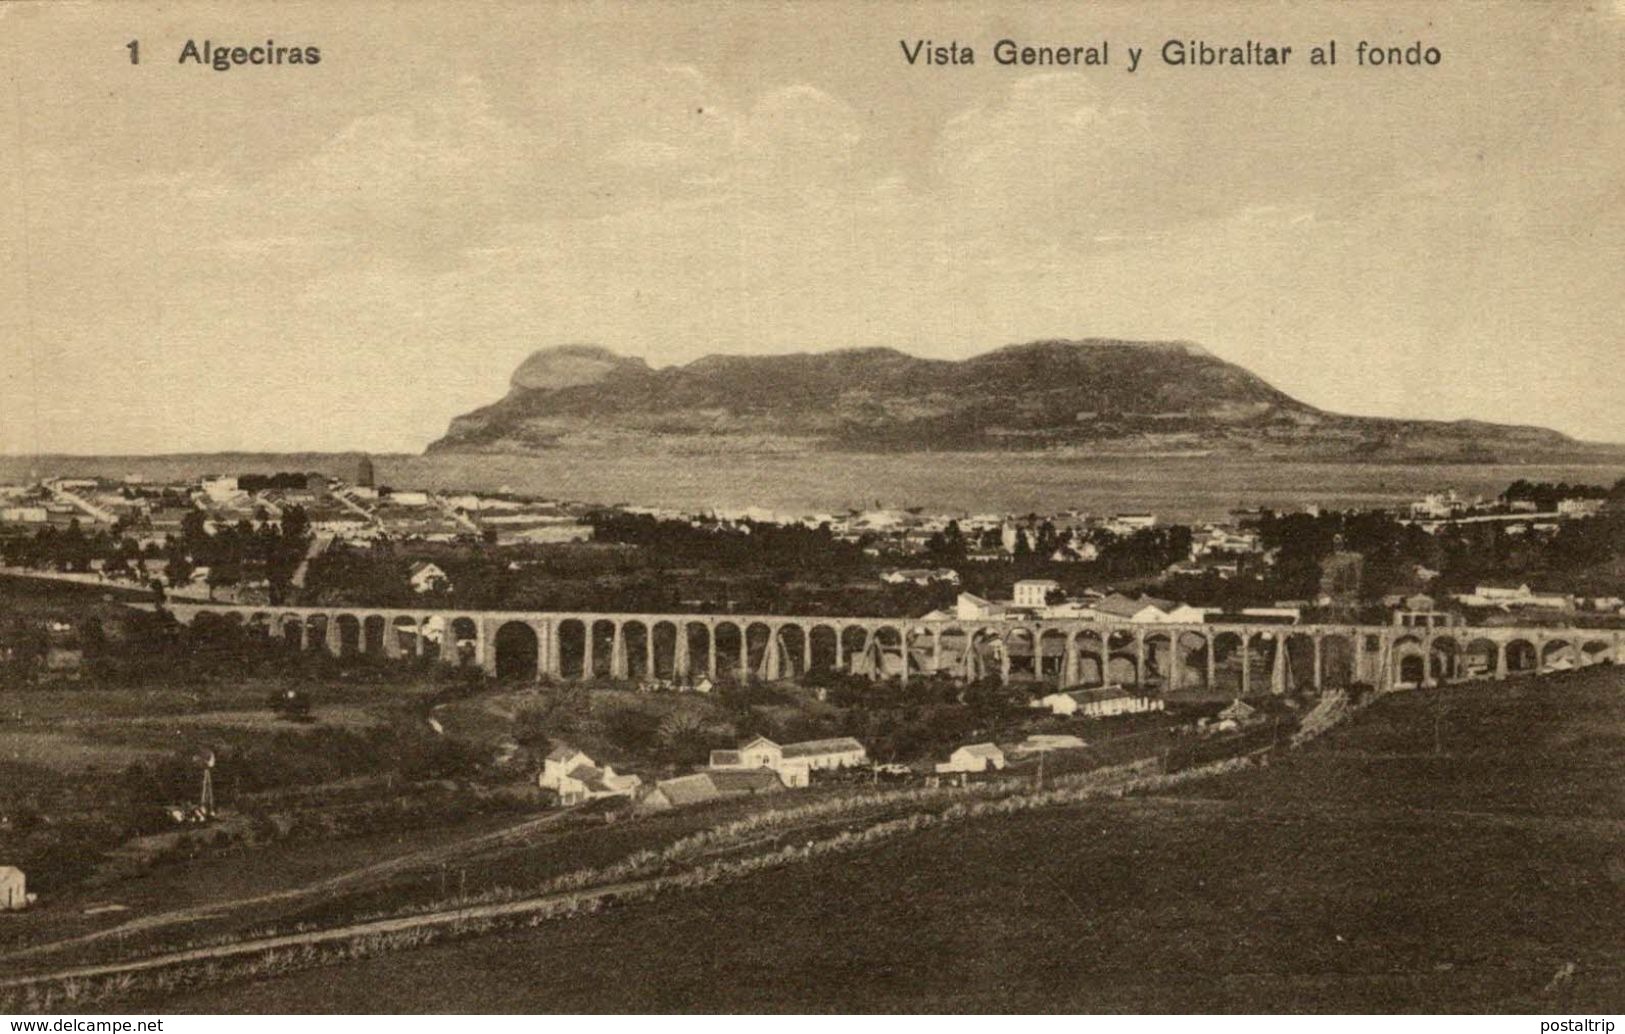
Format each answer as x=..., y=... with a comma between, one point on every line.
x=1242, y=658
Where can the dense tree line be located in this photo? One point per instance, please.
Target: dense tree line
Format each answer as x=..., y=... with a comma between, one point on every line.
x=1546, y=495
x=783, y=547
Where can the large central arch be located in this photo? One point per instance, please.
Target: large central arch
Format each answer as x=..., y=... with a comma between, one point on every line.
x=516, y=651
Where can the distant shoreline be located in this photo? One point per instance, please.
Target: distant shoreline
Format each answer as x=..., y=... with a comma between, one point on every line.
x=1180, y=489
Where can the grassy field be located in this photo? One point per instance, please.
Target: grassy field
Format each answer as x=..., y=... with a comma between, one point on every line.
x=1422, y=858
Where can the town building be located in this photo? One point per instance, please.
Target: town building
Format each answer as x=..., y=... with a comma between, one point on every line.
x=1520, y=598
x=1579, y=507
x=1034, y=592
x=1129, y=523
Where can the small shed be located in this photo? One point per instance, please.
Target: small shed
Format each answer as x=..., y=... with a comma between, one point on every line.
x=13, y=889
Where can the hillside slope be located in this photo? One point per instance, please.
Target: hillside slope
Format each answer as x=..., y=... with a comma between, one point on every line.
x=1372, y=872
x=1095, y=394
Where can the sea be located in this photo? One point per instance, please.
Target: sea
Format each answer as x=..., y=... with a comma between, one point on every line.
x=1175, y=488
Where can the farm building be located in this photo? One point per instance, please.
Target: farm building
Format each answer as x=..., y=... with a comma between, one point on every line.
x=1103, y=702
x=792, y=761
x=709, y=786
x=976, y=757
x=13, y=889
x=575, y=777
x=1238, y=715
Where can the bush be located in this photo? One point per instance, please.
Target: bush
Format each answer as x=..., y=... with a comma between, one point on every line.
x=632, y=729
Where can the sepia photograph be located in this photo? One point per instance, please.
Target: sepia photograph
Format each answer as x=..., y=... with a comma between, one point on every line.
x=786, y=508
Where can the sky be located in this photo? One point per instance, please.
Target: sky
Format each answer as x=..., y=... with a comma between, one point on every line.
x=346, y=255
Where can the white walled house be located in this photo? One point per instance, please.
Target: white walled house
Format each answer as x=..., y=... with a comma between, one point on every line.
x=795, y=761
x=427, y=577
x=576, y=778
x=1034, y=592
x=975, y=757
x=841, y=752
x=971, y=607
x=1103, y=702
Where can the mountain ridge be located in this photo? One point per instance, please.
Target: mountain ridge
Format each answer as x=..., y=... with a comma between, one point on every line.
x=1102, y=393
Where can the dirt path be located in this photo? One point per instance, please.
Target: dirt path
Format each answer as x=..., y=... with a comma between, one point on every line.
x=346, y=880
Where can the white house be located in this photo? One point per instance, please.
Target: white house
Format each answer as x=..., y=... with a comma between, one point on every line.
x=1034, y=592
x=13, y=889
x=840, y=752
x=1104, y=702
x=976, y=757
x=424, y=576
x=576, y=778
x=921, y=576
x=971, y=607
x=1075, y=551
x=794, y=761
x=1511, y=599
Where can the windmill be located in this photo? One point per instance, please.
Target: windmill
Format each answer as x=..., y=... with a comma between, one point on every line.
x=204, y=760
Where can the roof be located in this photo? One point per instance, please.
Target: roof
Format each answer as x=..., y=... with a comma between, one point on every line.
x=1051, y=741
x=1120, y=606
x=591, y=777
x=982, y=750
x=1238, y=708
x=1099, y=694
x=689, y=789
x=745, y=780
x=724, y=757
x=839, y=745
x=563, y=753
x=761, y=739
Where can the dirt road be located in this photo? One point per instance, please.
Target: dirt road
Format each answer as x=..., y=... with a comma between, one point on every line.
x=427, y=858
